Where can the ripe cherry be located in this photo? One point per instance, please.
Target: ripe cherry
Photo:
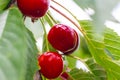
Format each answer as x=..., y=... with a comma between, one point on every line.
x=33, y=8
x=64, y=76
x=51, y=64
x=63, y=38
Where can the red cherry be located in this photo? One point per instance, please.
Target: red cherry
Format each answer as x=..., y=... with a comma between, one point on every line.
x=63, y=38
x=51, y=64
x=64, y=76
x=33, y=8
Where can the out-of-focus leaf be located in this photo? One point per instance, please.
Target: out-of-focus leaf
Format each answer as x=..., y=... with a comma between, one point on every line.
x=18, y=52
x=3, y=18
x=86, y=3
x=35, y=28
x=102, y=9
x=32, y=53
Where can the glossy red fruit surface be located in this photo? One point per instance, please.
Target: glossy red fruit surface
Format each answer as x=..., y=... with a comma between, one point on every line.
x=51, y=64
x=33, y=8
x=63, y=38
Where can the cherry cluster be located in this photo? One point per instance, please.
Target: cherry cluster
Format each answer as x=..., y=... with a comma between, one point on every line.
x=62, y=37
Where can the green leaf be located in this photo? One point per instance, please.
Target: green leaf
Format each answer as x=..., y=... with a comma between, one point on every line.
x=3, y=4
x=32, y=52
x=18, y=52
x=96, y=72
x=112, y=43
x=83, y=49
x=96, y=69
x=79, y=74
x=97, y=48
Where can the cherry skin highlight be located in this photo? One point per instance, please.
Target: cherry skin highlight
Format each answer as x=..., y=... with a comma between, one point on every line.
x=63, y=38
x=33, y=8
x=51, y=64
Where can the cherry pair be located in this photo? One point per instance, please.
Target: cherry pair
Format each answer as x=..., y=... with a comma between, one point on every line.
x=64, y=39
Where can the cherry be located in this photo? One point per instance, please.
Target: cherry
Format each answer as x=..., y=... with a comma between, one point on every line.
x=64, y=76
x=33, y=8
x=63, y=38
x=51, y=64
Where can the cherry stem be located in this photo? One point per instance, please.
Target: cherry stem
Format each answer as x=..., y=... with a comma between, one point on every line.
x=65, y=9
x=67, y=18
x=52, y=22
x=75, y=57
x=52, y=18
x=83, y=61
x=42, y=22
x=24, y=17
